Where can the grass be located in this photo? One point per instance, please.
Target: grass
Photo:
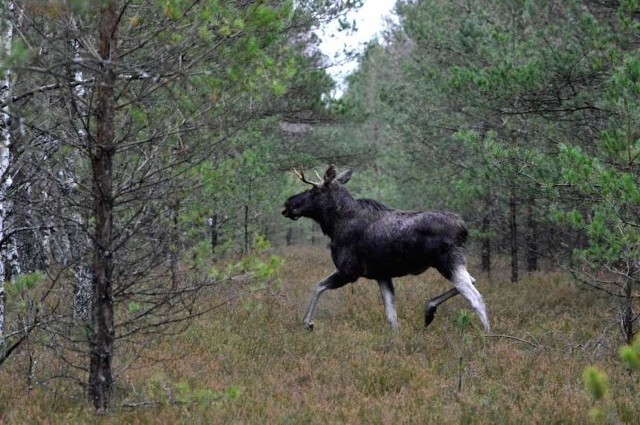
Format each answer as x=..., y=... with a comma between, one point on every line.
x=253, y=362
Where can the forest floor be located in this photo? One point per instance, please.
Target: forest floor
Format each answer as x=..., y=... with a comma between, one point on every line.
x=252, y=361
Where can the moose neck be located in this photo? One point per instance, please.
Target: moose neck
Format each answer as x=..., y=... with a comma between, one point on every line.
x=331, y=217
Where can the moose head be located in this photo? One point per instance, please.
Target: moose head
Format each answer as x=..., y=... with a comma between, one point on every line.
x=320, y=198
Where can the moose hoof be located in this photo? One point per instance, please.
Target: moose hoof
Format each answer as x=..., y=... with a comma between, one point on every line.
x=308, y=326
x=429, y=315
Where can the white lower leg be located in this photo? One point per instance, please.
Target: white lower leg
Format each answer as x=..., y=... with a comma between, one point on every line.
x=308, y=317
x=463, y=282
x=389, y=306
x=336, y=280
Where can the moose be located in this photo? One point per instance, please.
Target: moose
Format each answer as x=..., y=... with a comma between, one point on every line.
x=371, y=240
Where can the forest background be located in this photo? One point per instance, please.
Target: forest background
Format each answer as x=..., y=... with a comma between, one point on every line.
x=146, y=150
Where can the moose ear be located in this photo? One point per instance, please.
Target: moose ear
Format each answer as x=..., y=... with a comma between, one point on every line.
x=330, y=174
x=344, y=176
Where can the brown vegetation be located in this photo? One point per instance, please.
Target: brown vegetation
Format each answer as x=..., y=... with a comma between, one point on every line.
x=253, y=362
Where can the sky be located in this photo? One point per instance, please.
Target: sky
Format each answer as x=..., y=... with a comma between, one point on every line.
x=370, y=22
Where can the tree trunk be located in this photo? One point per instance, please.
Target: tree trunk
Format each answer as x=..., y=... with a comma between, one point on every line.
x=532, y=237
x=513, y=233
x=213, y=223
x=174, y=243
x=82, y=271
x=485, y=250
x=5, y=157
x=102, y=158
x=629, y=317
x=246, y=229
x=82, y=292
x=247, y=207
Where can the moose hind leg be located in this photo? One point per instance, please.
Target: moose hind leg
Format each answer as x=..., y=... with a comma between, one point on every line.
x=463, y=282
x=334, y=281
x=432, y=305
x=388, y=297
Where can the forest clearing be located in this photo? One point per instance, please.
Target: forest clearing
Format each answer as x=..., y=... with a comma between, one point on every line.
x=252, y=361
x=152, y=153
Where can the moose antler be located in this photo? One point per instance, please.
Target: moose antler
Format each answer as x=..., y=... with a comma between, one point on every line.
x=300, y=175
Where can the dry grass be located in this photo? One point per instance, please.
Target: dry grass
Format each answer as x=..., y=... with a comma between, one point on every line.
x=253, y=362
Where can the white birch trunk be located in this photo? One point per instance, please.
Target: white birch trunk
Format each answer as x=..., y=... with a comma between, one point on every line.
x=5, y=144
x=82, y=292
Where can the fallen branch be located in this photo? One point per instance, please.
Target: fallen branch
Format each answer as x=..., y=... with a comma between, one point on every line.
x=534, y=345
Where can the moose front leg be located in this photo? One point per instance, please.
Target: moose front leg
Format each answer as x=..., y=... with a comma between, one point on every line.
x=334, y=281
x=387, y=292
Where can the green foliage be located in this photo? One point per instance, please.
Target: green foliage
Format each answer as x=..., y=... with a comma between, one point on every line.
x=630, y=355
x=17, y=57
x=596, y=383
x=134, y=307
x=204, y=397
x=262, y=269
x=24, y=283
x=21, y=292
x=260, y=244
x=530, y=104
x=183, y=393
x=608, y=179
x=463, y=320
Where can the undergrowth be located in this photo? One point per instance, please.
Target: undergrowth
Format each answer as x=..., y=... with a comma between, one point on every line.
x=253, y=362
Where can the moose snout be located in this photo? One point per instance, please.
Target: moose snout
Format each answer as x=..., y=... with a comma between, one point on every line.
x=288, y=212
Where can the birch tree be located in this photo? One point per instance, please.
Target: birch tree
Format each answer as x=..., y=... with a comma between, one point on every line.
x=6, y=39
